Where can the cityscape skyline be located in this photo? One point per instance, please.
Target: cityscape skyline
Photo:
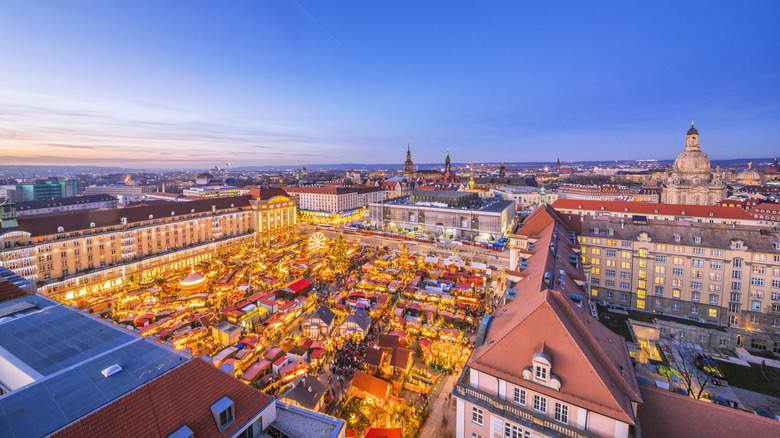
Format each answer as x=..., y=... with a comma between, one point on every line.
x=300, y=83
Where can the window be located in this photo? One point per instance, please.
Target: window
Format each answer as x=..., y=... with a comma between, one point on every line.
x=595, y=261
x=698, y=251
x=713, y=299
x=755, y=305
x=659, y=290
x=716, y=265
x=595, y=281
x=696, y=273
x=697, y=263
x=512, y=431
x=475, y=435
x=716, y=253
x=623, y=297
x=595, y=271
x=754, y=319
x=540, y=403
x=695, y=309
x=642, y=252
x=660, y=259
x=609, y=295
x=541, y=373
x=735, y=297
x=679, y=249
x=759, y=270
x=734, y=308
x=610, y=263
x=759, y=257
x=675, y=306
x=678, y=272
x=626, y=244
x=625, y=254
x=736, y=275
x=757, y=281
x=609, y=273
x=595, y=251
x=675, y=293
x=660, y=280
x=477, y=415
x=640, y=304
x=660, y=269
x=733, y=320
x=715, y=276
x=625, y=265
x=520, y=396
x=625, y=275
x=660, y=247
x=695, y=296
x=642, y=263
x=642, y=273
x=609, y=283
x=561, y=413
x=657, y=303
x=222, y=411
x=625, y=285
x=776, y=284
x=755, y=293
x=737, y=263
x=696, y=285
x=611, y=253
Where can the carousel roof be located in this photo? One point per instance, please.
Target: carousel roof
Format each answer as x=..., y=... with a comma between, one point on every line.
x=193, y=279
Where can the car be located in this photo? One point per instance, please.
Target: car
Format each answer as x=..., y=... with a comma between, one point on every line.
x=764, y=413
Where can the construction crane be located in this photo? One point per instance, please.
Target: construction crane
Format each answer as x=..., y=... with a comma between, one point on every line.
x=22, y=172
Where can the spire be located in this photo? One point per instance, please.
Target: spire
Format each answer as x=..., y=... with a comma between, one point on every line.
x=408, y=151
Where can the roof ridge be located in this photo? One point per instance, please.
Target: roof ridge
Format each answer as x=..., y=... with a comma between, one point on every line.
x=601, y=355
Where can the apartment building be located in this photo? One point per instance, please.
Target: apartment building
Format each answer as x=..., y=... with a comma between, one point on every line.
x=212, y=191
x=276, y=214
x=714, y=272
x=46, y=247
x=335, y=199
x=543, y=366
x=71, y=203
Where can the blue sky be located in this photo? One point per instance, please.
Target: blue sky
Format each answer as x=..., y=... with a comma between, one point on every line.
x=196, y=84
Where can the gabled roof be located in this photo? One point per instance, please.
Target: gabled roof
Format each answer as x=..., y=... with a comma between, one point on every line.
x=306, y=391
x=666, y=414
x=371, y=385
x=324, y=314
x=182, y=396
x=360, y=318
x=400, y=358
x=586, y=356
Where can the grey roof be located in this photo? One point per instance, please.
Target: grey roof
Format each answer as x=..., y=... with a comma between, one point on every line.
x=324, y=314
x=60, y=202
x=360, y=318
x=64, y=352
x=660, y=231
x=299, y=423
x=306, y=391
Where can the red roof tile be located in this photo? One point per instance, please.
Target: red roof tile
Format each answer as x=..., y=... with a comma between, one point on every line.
x=647, y=208
x=666, y=414
x=182, y=396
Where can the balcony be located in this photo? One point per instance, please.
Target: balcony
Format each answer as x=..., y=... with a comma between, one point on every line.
x=516, y=413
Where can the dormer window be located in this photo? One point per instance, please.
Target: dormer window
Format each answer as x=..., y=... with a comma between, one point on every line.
x=540, y=370
x=677, y=237
x=696, y=239
x=222, y=411
x=541, y=373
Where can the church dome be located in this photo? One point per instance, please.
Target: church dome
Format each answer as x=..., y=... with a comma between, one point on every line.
x=749, y=176
x=692, y=163
x=693, y=131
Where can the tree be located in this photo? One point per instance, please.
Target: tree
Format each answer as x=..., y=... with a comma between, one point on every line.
x=681, y=355
x=338, y=255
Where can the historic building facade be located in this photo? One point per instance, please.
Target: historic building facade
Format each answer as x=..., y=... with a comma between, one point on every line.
x=719, y=273
x=691, y=180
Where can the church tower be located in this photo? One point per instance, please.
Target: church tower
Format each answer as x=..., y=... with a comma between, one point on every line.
x=502, y=171
x=408, y=165
x=447, y=167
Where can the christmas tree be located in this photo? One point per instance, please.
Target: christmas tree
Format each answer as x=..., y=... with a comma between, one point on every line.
x=338, y=255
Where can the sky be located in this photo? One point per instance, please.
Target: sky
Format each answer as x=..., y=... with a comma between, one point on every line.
x=197, y=84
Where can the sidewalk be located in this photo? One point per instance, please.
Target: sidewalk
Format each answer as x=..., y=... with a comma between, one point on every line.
x=440, y=408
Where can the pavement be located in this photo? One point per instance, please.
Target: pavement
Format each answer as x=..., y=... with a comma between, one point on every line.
x=442, y=406
x=747, y=357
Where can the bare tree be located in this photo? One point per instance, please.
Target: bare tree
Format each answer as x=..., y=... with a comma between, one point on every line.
x=682, y=357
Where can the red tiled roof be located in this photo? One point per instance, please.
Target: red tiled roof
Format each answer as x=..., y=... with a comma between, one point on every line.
x=666, y=414
x=376, y=432
x=182, y=396
x=371, y=385
x=646, y=208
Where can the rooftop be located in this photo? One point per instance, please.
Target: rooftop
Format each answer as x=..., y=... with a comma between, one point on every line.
x=53, y=360
x=303, y=423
